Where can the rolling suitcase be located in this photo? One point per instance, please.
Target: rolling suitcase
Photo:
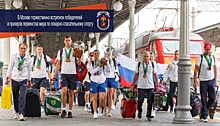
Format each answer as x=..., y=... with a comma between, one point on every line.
x=52, y=104
x=213, y=107
x=32, y=106
x=6, y=97
x=128, y=108
x=81, y=94
x=158, y=101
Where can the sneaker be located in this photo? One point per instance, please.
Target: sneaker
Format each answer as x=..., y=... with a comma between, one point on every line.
x=70, y=115
x=99, y=112
x=95, y=115
x=205, y=120
x=153, y=113
x=16, y=116
x=21, y=117
x=113, y=107
x=63, y=114
x=42, y=108
x=149, y=119
x=89, y=109
x=139, y=115
x=109, y=114
x=86, y=108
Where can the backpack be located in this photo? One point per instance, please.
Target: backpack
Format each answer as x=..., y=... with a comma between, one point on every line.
x=139, y=63
x=81, y=70
x=45, y=58
x=201, y=63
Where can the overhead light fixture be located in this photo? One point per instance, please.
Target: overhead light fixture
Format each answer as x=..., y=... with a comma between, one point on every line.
x=91, y=35
x=17, y=4
x=117, y=5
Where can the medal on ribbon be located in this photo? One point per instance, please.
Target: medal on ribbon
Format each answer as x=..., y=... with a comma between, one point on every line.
x=68, y=55
x=20, y=63
x=145, y=69
x=39, y=62
x=209, y=61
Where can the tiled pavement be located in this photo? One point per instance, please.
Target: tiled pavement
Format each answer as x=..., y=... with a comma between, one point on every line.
x=81, y=118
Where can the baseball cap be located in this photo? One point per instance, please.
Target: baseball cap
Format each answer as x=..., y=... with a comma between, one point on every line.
x=208, y=45
x=91, y=54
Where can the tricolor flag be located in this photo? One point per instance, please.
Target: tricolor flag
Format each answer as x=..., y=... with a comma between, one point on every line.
x=126, y=67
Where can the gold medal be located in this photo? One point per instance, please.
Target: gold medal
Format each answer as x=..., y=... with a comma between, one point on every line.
x=38, y=67
x=67, y=60
x=144, y=76
x=20, y=69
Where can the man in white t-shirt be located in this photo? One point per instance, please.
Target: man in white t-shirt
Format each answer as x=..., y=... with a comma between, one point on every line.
x=206, y=70
x=143, y=73
x=39, y=72
x=67, y=62
x=97, y=85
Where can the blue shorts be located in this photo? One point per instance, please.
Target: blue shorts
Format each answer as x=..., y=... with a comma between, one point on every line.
x=110, y=83
x=95, y=87
x=117, y=84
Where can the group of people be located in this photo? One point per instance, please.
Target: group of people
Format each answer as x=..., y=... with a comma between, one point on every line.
x=102, y=79
x=100, y=82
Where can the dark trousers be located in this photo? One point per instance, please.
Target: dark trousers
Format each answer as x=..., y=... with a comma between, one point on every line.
x=141, y=96
x=207, y=87
x=173, y=86
x=19, y=90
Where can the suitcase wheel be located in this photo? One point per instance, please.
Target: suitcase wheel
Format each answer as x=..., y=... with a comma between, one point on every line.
x=124, y=115
x=134, y=116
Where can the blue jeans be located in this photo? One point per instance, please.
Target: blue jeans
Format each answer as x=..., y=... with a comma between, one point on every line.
x=19, y=90
x=207, y=87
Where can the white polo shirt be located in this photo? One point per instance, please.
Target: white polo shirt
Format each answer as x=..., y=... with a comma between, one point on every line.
x=172, y=71
x=42, y=72
x=13, y=71
x=87, y=74
x=145, y=83
x=205, y=74
x=67, y=67
x=109, y=69
x=96, y=78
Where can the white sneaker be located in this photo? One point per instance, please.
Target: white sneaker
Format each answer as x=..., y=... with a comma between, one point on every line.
x=21, y=117
x=99, y=112
x=42, y=108
x=153, y=113
x=86, y=107
x=95, y=115
x=113, y=106
x=205, y=120
x=109, y=114
x=16, y=116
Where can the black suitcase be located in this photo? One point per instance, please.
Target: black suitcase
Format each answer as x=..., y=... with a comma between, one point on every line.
x=81, y=94
x=213, y=107
x=32, y=106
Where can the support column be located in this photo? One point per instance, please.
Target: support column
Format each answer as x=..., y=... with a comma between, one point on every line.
x=183, y=107
x=131, y=4
x=89, y=45
x=32, y=46
x=97, y=35
x=20, y=40
x=193, y=18
x=6, y=47
x=110, y=39
x=28, y=44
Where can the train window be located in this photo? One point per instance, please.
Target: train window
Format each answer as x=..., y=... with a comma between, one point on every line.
x=169, y=46
x=126, y=48
x=145, y=40
x=153, y=48
x=137, y=43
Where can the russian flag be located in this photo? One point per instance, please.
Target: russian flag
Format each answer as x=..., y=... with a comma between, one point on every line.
x=126, y=67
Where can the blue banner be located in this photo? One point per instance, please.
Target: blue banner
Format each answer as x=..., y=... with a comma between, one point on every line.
x=56, y=21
